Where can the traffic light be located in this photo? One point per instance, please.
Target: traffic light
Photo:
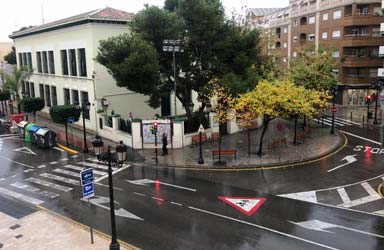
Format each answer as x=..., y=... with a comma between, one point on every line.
x=369, y=97
x=155, y=127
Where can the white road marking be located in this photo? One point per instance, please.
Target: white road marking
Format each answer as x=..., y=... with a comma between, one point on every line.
x=66, y=172
x=49, y=184
x=75, y=156
x=262, y=227
x=58, y=149
x=53, y=162
x=115, y=188
x=349, y=158
x=96, y=172
x=360, y=137
x=144, y=182
x=352, y=122
x=373, y=196
x=159, y=199
x=9, y=135
x=64, y=159
x=343, y=194
x=309, y=196
x=60, y=178
x=381, y=212
x=22, y=164
x=13, y=176
x=1, y=179
x=35, y=190
x=94, y=165
x=114, y=172
x=177, y=204
x=28, y=170
x=139, y=194
x=326, y=123
x=25, y=150
x=337, y=123
x=19, y=196
x=42, y=166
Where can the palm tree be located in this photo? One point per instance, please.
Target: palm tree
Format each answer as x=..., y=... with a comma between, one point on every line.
x=13, y=82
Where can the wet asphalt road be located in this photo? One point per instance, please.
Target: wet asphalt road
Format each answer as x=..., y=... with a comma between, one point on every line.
x=189, y=215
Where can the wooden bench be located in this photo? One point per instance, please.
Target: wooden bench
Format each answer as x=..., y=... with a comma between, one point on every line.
x=196, y=138
x=223, y=152
x=215, y=135
x=277, y=143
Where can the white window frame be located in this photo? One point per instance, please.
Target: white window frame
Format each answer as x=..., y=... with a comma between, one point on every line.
x=294, y=54
x=324, y=35
x=325, y=16
x=295, y=39
x=335, y=54
x=336, y=14
x=285, y=30
x=311, y=20
x=285, y=45
x=295, y=22
x=336, y=32
x=311, y=37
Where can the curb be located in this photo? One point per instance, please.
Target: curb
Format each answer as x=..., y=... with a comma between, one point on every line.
x=67, y=149
x=380, y=190
x=85, y=227
x=342, y=143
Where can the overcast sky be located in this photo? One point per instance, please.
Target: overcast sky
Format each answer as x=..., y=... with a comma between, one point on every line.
x=18, y=13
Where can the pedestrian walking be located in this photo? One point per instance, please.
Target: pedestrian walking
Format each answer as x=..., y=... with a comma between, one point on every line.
x=165, y=143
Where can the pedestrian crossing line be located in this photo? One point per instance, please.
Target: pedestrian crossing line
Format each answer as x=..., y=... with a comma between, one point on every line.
x=373, y=196
x=326, y=123
x=66, y=172
x=343, y=194
x=20, y=197
x=34, y=190
x=60, y=178
x=42, y=166
x=58, y=149
x=64, y=159
x=352, y=122
x=53, y=162
x=114, y=172
x=96, y=172
x=337, y=123
x=74, y=156
x=49, y=184
x=93, y=159
x=94, y=165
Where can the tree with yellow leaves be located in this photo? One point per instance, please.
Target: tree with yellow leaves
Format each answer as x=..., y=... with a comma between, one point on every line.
x=222, y=105
x=278, y=99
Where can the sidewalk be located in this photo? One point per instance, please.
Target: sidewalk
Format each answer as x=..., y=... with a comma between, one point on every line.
x=42, y=230
x=317, y=143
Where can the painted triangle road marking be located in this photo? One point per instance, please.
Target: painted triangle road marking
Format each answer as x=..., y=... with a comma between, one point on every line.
x=25, y=150
x=244, y=204
x=309, y=196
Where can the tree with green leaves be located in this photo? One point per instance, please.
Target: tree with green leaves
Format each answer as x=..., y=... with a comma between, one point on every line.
x=11, y=56
x=61, y=113
x=212, y=48
x=312, y=70
x=13, y=82
x=32, y=105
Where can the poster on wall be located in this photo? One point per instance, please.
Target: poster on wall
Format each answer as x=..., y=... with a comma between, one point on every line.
x=148, y=137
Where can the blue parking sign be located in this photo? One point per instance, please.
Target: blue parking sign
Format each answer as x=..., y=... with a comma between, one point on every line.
x=88, y=191
x=86, y=176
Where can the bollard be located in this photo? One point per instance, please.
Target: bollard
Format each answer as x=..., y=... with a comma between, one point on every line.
x=351, y=116
x=363, y=120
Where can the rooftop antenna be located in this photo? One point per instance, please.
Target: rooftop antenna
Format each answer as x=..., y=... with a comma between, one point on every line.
x=42, y=14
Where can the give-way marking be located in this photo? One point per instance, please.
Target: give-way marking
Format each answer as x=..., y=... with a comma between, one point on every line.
x=245, y=205
x=321, y=226
x=349, y=158
x=98, y=200
x=145, y=182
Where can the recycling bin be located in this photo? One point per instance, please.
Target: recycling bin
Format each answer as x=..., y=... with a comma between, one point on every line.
x=32, y=132
x=46, y=138
x=27, y=135
x=22, y=125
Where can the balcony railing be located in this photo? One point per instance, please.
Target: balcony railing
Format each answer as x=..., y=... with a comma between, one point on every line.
x=357, y=35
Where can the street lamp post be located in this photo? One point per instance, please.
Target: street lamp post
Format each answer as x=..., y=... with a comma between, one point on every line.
x=173, y=46
x=85, y=108
x=368, y=98
x=121, y=154
x=334, y=93
x=377, y=86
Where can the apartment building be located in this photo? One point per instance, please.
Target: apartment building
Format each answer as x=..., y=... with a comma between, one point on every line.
x=350, y=28
x=61, y=55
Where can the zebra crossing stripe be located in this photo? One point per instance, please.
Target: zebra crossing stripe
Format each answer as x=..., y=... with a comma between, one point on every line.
x=60, y=178
x=326, y=123
x=96, y=172
x=329, y=120
x=20, y=197
x=53, y=162
x=74, y=156
x=49, y=184
x=35, y=190
x=343, y=194
x=352, y=122
x=94, y=165
x=66, y=172
x=64, y=159
x=373, y=196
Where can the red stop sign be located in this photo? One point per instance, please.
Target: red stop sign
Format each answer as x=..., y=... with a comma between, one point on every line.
x=333, y=109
